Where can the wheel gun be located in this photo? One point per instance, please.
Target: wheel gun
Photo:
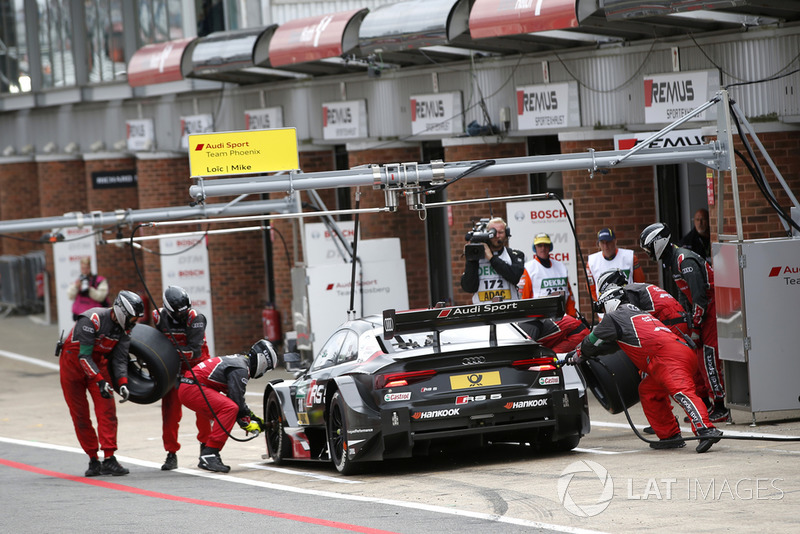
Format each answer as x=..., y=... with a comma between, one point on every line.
x=60, y=344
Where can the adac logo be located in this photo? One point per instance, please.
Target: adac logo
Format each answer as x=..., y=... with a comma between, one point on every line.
x=786, y=269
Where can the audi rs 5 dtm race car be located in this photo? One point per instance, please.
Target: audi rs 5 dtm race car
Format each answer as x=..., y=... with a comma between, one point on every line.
x=390, y=387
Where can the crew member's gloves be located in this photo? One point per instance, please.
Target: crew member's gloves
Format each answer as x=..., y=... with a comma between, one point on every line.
x=261, y=425
x=105, y=389
x=249, y=425
x=124, y=393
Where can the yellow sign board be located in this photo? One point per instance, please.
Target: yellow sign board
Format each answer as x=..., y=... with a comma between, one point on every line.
x=475, y=380
x=245, y=152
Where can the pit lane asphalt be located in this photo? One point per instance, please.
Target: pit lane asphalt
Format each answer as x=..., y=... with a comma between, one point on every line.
x=738, y=486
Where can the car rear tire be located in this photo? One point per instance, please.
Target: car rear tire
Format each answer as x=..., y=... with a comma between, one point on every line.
x=563, y=445
x=337, y=436
x=279, y=447
x=153, y=365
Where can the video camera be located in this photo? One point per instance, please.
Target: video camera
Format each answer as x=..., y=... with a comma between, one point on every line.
x=84, y=284
x=476, y=237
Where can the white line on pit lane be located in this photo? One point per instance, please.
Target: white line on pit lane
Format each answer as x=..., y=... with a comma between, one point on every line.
x=598, y=451
x=689, y=430
x=27, y=359
x=301, y=474
x=333, y=495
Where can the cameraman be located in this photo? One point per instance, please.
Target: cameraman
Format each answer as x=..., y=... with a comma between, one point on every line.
x=88, y=291
x=496, y=272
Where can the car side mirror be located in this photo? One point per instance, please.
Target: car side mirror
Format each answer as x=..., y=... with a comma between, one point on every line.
x=291, y=362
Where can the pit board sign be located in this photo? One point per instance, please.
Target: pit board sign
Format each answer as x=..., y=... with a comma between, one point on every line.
x=243, y=152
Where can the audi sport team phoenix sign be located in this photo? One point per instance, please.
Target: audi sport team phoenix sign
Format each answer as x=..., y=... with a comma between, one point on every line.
x=246, y=152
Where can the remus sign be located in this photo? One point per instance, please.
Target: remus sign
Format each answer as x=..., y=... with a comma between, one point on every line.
x=247, y=152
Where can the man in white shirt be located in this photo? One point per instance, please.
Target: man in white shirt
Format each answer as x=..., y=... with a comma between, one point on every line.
x=545, y=276
x=610, y=258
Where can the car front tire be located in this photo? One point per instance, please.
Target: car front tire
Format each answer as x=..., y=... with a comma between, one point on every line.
x=279, y=446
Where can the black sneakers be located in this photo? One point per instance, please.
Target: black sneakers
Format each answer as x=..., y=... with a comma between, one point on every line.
x=171, y=462
x=649, y=430
x=94, y=468
x=210, y=461
x=673, y=442
x=720, y=415
x=710, y=435
x=110, y=466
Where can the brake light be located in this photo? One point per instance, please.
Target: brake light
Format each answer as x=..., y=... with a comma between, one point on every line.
x=536, y=364
x=394, y=380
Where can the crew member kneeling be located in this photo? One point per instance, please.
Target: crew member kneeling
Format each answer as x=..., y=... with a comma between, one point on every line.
x=668, y=363
x=223, y=381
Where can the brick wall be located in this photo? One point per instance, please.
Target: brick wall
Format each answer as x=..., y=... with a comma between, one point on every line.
x=114, y=262
x=19, y=199
x=759, y=220
x=464, y=216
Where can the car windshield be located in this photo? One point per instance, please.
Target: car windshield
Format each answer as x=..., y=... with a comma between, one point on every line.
x=457, y=336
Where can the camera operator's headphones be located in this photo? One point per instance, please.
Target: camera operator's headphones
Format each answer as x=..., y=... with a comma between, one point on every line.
x=500, y=219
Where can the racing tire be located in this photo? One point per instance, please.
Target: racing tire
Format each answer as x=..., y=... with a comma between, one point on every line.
x=613, y=379
x=562, y=445
x=153, y=365
x=279, y=446
x=337, y=436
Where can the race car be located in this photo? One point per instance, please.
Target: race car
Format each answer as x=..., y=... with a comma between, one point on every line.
x=392, y=386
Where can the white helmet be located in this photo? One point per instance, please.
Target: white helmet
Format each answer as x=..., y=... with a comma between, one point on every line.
x=261, y=358
x=654, y=240
x=612, y=297
x=615, y=277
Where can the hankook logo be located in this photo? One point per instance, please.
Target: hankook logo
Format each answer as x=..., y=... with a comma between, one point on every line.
x=473, y=360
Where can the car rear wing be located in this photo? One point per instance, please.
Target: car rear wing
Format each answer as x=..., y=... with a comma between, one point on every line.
x=486, y=313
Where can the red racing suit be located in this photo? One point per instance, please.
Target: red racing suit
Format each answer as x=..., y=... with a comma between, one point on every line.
x=667, y=362
x=659, y=304
x=561, y=336
x=223, y=380
x=190, y=340
x=94, y=343
x=695, y=278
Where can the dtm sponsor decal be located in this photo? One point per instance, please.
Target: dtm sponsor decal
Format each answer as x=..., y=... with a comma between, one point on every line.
x=784, y=271
x=549, y=380
x=435, y=414
x=493, y=307
x=532, y=403
x=392, y=397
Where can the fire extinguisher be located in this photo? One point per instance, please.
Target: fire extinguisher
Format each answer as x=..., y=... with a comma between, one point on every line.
x=271, y=321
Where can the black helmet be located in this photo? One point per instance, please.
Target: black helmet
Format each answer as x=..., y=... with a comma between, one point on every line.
x=654, y=239
x=261, y=358
x=615, y=276
x=177, y=303
x=128, y=307
x=611, y=298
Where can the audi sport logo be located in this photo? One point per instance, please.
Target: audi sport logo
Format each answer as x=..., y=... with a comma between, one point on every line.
x=473, y=360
